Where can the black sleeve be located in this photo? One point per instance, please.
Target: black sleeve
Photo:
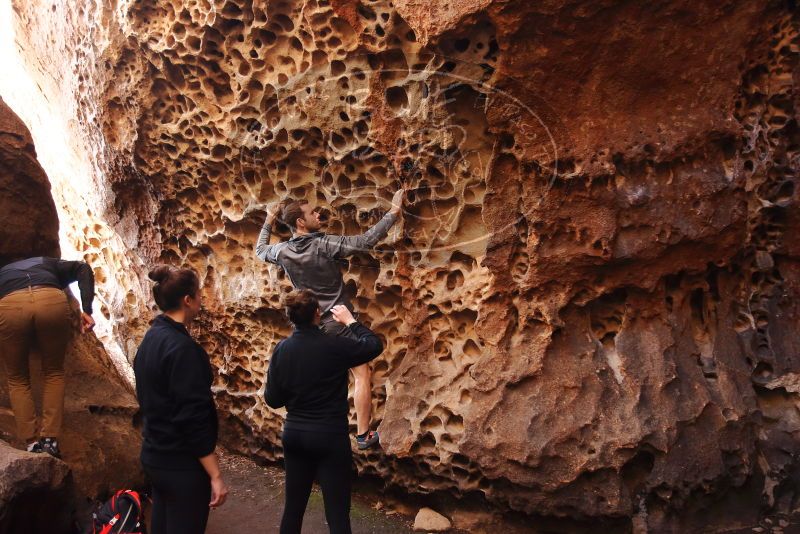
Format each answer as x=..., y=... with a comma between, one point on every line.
x=274, y=394
x=78, y=271
x=189, y=389
x=351, y=353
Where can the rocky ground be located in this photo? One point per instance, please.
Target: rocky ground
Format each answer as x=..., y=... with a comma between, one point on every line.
x=255, y=504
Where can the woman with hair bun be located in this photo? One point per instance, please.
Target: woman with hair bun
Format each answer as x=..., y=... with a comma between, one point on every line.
x=173, y=385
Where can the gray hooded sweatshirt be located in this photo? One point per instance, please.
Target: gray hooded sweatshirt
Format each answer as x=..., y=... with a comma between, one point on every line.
x=310, y=260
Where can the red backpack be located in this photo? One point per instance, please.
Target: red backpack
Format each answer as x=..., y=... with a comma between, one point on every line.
x=122, y=513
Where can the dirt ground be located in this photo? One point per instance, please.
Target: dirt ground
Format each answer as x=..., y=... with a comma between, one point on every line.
x=255, y=504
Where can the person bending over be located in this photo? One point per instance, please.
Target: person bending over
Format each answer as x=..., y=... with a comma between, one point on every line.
x=35, y=312
x=308, y=375
x=173, y=386
x=311, y=259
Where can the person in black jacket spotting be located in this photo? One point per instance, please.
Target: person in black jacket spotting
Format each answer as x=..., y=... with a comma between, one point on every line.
x=173, y=386
x=308, y=375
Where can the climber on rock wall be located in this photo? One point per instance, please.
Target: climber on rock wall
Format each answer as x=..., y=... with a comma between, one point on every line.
x=310, y=258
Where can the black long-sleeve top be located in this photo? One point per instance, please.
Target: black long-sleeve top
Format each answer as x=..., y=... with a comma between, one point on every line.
x=50, y=272
x=173, y=385
x=308, y=375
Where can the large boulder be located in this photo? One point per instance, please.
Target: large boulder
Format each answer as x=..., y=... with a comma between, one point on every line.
x=36, y=493
x=29, y=219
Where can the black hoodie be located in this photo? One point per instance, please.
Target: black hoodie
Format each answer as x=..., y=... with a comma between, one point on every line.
x=173, y=385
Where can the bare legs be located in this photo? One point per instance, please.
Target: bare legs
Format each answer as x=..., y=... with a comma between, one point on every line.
x=362, y=397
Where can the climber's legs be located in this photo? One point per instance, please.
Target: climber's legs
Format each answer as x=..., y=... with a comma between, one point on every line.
x=362, y=395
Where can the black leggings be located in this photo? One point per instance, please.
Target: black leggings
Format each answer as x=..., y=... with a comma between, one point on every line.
x=180, y=500
x=326, y=457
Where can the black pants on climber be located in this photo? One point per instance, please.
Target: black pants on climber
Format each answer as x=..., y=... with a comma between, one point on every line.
x=323, y=456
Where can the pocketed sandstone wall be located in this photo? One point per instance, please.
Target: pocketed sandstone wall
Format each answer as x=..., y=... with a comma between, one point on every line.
x=589, y=304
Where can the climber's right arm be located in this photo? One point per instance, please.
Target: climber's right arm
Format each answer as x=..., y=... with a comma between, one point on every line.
x=347, y=245
x=342, y=246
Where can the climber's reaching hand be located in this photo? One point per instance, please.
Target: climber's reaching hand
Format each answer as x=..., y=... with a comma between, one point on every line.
x=397, y=201
x=273, y=210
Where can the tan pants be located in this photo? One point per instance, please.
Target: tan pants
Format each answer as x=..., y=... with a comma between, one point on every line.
x=35, y=318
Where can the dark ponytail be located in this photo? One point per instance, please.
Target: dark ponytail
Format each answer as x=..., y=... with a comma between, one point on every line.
x=172, y=285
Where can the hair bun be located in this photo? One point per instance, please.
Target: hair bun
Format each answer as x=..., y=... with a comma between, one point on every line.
x=159, y=274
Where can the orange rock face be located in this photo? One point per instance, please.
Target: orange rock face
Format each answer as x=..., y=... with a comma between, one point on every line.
x=98, y=440
x=590, y=304
x=23, y=184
